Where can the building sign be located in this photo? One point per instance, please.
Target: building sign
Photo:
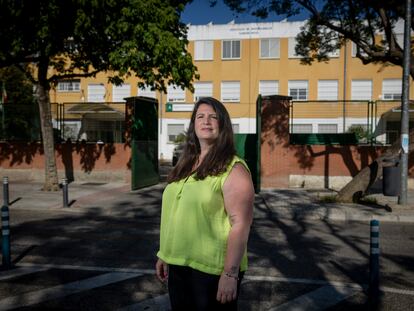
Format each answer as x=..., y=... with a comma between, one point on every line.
x=171, y=107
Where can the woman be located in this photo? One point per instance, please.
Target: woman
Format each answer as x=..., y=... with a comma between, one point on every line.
x=207, y=210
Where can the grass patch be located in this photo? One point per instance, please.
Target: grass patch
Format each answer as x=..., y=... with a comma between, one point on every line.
x=332, y=198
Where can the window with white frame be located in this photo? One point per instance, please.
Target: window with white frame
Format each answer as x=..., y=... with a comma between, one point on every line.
x=236, y=128
x=269, y=48
x=68, y=86
x=298, y=89
x=391, y=89
x=291, y=48
x=327, y=89
x=230, y=49
x=173, y=130
x=301, y=129
x=96, y=93
x=230, y=91
x=268, y=87
x=147, y=92
x=119, y=92
x=354, y=51
x=175, y=94
x=361, y=90
x=202, y=89
x=203, y=50
x=327, y=128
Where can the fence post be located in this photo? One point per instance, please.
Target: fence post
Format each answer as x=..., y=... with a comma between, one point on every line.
x=374, y=260
x=65, y=192
x=6, y=190
x=5, y=237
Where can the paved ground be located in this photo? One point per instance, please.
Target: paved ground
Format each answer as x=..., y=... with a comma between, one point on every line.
x=98, y=254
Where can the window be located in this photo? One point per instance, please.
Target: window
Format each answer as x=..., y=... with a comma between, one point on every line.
x=202, y=89
x=391, y=89
x=361, y=89
x=146, y=91
x=230, y=91
x=203, y=50
x=268, y=87
x=231, y=49
x=68, y=86
x=269, y=48
x=354, y=51
x=301, y=128
x=120, y=92
x=175, y=94
x=327, y=128
x=298, y=89
x=236, y=128
x=291, y=48
x=334, y=53
x=96, y=93
x=328, y=90
x=173, y=130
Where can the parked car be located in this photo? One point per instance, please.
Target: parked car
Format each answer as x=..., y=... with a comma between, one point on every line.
x=177, y=152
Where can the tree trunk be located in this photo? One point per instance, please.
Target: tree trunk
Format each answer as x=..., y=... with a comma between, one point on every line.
x=360, y=184
x=51, y=177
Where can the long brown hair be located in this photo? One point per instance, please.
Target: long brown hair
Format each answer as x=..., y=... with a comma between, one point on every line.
x=220, y=154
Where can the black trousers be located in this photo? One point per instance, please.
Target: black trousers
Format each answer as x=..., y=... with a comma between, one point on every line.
x=194, y=290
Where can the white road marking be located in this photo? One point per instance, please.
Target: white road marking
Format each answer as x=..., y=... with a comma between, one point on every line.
x=160, y=303
x=9, y=274
x=90, y=268
x=303, y=281
x=64, y=290
x=317, y=300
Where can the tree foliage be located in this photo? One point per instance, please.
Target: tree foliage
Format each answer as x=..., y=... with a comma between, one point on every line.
x=51, y=40
x=80, y=38
x=332, y=22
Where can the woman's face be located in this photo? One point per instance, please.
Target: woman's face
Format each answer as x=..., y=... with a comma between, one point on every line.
x=206, y=124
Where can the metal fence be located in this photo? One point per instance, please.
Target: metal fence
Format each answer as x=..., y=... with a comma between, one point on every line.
x=89, y=122
x=375, y=122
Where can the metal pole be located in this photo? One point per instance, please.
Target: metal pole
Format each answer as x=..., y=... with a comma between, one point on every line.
x=6, y=190
x=65, y=192
x=5, y=237
x=374, y=259
x=402, y=199
x=344, y=91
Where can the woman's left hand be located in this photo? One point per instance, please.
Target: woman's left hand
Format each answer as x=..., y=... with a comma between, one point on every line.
x=227, y=289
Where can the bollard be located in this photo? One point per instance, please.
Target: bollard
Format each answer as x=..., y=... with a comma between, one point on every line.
x=374, y=260
x=65, y=192
x=6, y=190
x=5, y=236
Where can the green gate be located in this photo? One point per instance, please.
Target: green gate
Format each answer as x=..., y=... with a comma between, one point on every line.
x=248, y=147
x=144, y=141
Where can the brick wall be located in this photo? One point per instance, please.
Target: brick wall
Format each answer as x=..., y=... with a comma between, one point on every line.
x=284, y=165
x=76, y=161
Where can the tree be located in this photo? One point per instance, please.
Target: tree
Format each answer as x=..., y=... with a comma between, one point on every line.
x=19, y=115
x=330, y=25
x=64, y=39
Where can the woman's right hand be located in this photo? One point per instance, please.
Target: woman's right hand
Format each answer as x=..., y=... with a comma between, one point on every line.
x=161, y=268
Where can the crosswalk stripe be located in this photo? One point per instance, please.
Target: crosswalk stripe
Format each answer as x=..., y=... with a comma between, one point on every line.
x=317, y=300
x=9, y=274
x=64, y=290
x=160, y=303
x=90, y=268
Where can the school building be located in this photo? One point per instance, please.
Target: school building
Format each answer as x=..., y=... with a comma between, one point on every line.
x=236, y=63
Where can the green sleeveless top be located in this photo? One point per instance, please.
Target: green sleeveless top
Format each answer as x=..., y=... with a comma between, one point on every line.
x=195, y=225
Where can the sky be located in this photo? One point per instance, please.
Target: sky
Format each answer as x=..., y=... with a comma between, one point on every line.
x=199, y=12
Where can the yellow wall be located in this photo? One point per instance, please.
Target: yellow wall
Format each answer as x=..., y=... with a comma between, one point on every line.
x=250, y=69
